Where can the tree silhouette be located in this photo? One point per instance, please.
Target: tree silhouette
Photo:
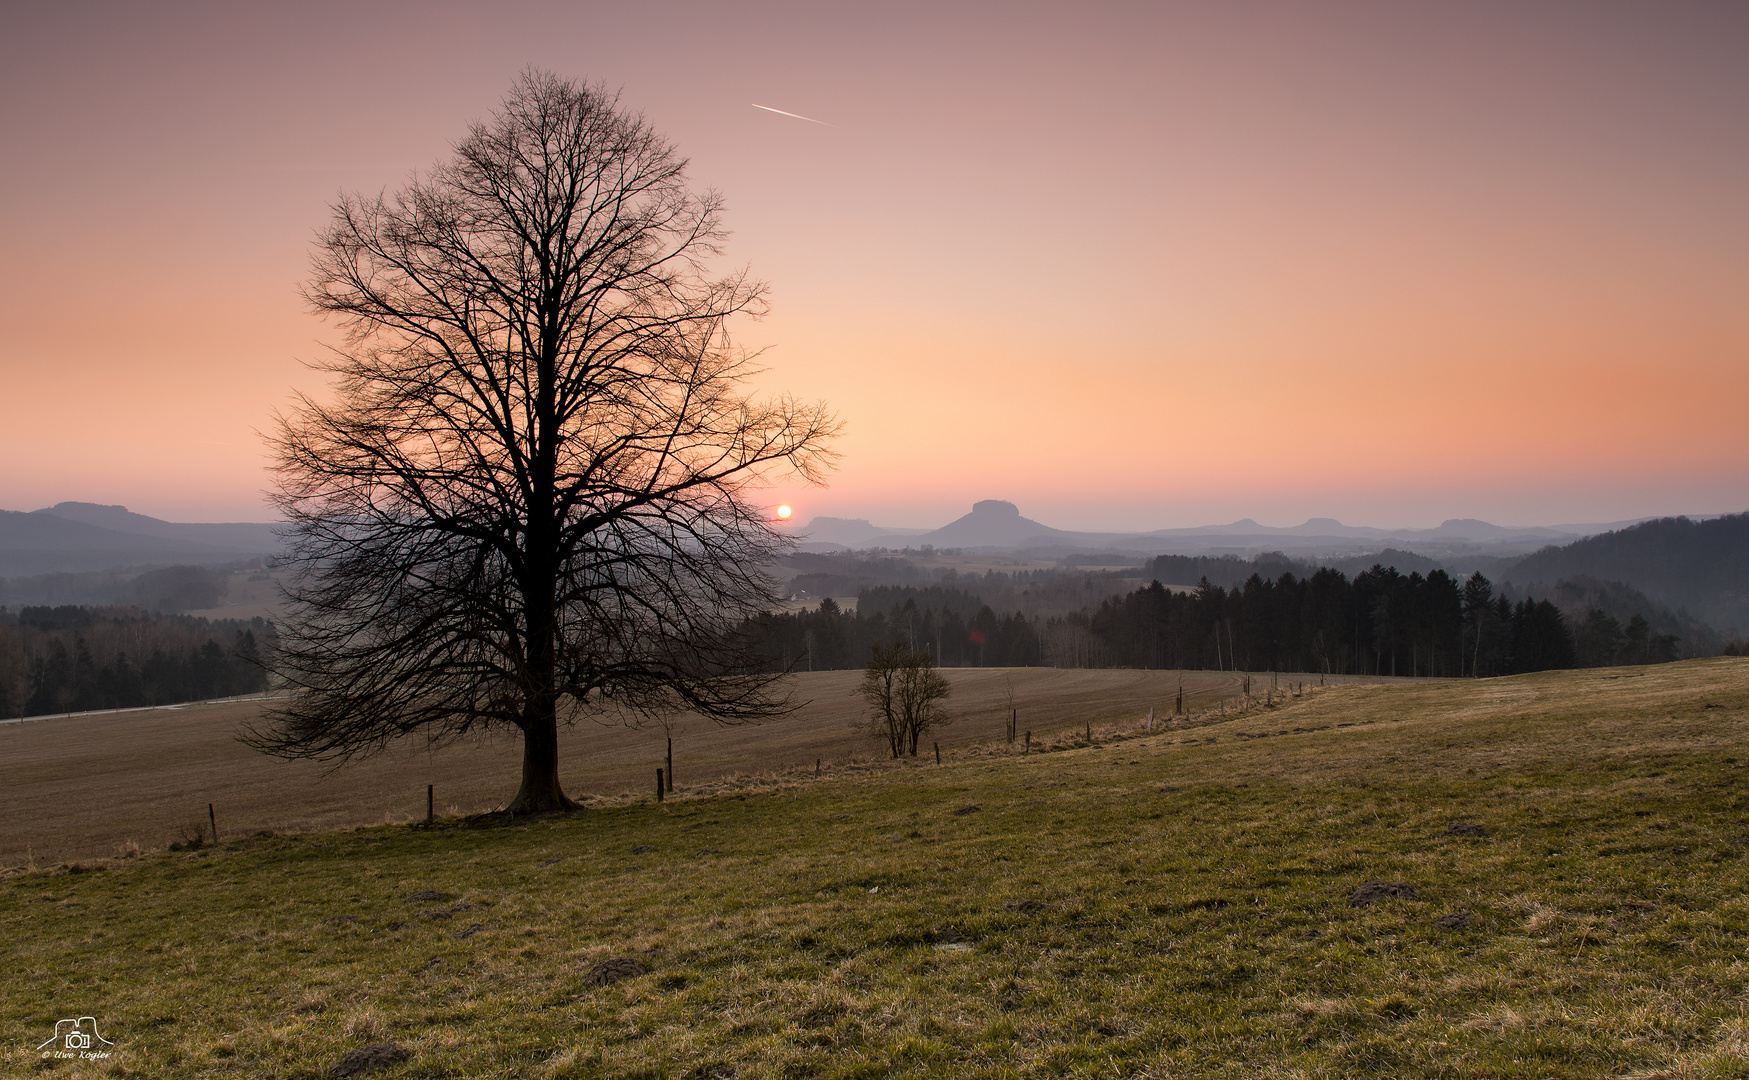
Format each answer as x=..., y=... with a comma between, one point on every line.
x=531, y=496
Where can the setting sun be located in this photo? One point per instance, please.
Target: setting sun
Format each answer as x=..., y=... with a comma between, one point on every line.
x=783, y=513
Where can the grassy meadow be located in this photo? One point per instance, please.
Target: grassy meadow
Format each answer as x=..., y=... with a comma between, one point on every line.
x=1162, y=905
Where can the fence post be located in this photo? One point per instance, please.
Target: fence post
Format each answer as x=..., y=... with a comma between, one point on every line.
x=430, y=805
x=658, y=785
x=213, y=820
x=816, y=768
x=1028, y=749
x=938, y=753
x=670, y=763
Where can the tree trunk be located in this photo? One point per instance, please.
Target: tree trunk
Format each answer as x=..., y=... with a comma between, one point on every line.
x=540, y=792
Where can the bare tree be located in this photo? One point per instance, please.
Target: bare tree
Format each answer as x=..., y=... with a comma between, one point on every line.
x=879, y=689
x=904, y=694
x=531, y=496
x=14, y=675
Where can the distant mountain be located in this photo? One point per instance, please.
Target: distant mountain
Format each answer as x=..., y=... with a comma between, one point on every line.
x=994, y=523
x=1700, y=567
x=253, y=536
x=850, y=533
x=996, y=526
x=82, y=537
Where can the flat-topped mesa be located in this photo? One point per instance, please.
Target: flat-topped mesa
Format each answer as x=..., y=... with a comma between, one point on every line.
x=993, y=523
x=995, y=508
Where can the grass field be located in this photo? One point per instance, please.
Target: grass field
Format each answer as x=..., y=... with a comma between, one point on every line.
x=1168, y=905
x=90, y=786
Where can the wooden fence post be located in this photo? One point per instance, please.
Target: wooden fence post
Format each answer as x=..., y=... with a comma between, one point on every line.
x=670, y=763
x=1028, y=749
x=816, y=768
x=938, y=753
x=212, y=819
x=658, y=785
x=430, y=804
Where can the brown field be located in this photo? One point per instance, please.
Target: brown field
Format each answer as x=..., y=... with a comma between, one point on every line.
x=91, y=786
x=248, y=594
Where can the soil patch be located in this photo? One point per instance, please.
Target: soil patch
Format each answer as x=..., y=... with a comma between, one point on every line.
x=608, y=972
x=964, y=810
x=1457, y=920
x=1374, y=891
x=1025, y=907
x=365, y=1058
x=1464, y=828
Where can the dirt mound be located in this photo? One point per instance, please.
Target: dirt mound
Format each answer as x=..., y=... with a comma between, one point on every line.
x=366, y=1058
x=964, y=810
x=1374, y=891
x=608, y=972
x=424, y=895
x=1457, y=920
x=470, y=931
x=1026, y=907
x=1464, y=828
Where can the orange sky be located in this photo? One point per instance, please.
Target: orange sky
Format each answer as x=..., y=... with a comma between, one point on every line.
x=1129, y=266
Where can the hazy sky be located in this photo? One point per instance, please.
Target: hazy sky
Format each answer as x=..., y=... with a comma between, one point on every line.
x=1127, y=265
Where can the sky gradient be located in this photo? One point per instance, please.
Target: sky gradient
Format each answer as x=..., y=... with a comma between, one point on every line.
x=1127, y=266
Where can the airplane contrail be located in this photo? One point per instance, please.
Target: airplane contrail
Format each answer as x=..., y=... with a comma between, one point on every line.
x=798, y=116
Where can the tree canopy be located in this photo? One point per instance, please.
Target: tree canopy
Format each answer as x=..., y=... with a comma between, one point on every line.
x=533, y=492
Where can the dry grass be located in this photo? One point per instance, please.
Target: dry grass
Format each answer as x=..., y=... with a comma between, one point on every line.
x=1190, y=915
x=99, y=786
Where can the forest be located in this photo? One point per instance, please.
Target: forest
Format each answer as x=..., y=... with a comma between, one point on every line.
x=76, y=659
x=1380, y=622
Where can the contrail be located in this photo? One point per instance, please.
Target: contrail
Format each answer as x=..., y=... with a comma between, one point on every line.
x=798, y=116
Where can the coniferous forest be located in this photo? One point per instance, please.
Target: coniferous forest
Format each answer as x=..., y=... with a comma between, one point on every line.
x=1381, y=622
x=76, y=659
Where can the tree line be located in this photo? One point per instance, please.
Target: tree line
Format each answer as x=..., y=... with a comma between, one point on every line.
x=77, y=659
x=1380, y=622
